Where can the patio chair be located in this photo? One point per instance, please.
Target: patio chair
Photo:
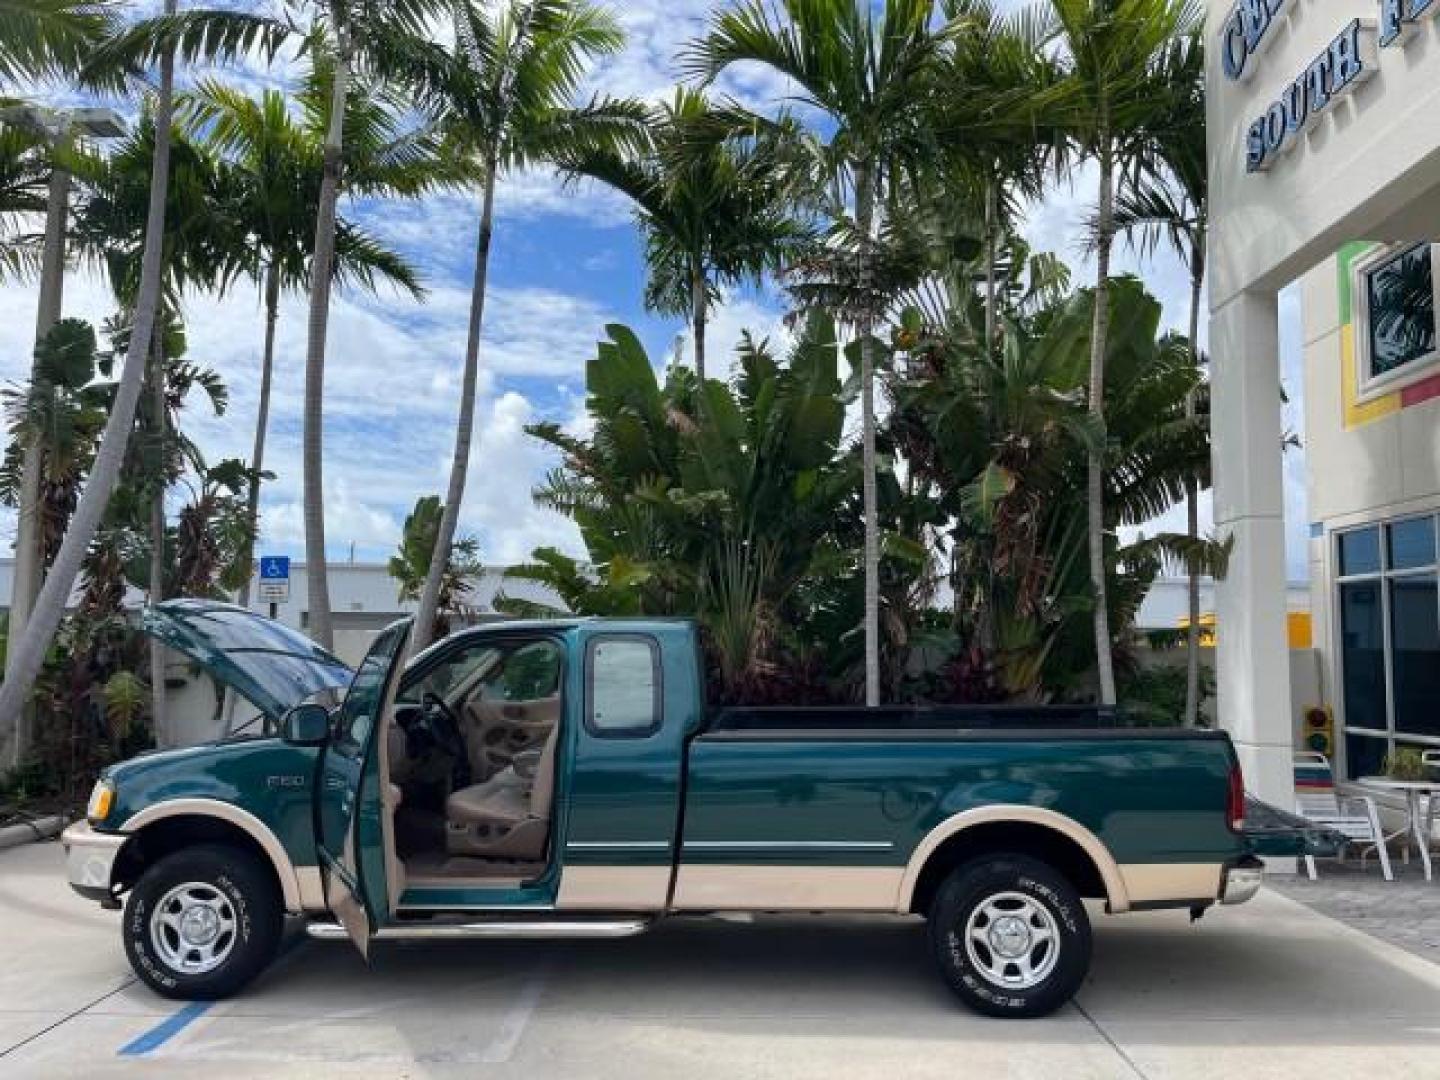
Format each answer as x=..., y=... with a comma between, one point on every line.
x=1431, y=758
x=1353, y=816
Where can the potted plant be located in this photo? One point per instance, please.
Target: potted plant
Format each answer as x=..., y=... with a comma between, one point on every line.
x=1408, y=763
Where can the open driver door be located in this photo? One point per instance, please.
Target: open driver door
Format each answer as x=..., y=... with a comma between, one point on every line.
x=352, y=822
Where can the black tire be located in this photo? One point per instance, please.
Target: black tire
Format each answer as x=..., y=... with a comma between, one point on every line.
x=1038, y=981
x=241, y=886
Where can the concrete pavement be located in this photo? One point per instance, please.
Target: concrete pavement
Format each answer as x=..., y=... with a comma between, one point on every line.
x=1269, y=990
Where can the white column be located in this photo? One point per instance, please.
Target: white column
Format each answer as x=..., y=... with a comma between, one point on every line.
x=1252, y=653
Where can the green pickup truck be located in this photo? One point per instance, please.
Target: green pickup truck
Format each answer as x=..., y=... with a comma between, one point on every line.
x=564, y=779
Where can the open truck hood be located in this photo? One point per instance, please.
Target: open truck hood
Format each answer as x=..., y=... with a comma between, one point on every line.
x=270, y=665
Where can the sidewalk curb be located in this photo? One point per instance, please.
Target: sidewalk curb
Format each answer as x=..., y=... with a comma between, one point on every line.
x=40, y=829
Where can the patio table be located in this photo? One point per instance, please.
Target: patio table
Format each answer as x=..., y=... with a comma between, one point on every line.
x=1412, y=790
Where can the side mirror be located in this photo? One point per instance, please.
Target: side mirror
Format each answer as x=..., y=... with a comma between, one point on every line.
x=306, y=725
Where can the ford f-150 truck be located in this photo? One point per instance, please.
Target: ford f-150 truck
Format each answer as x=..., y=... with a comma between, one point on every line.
x=564, y=779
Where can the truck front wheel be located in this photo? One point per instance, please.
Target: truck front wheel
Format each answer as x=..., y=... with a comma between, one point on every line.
x=1011, y=936
x=202, y=922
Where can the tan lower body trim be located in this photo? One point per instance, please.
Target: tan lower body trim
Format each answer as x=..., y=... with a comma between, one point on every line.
x=787, y=888
x=613, y=888
x=312, y=888
x=1149, y=883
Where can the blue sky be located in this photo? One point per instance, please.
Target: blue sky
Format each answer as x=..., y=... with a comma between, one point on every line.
x=566, y=261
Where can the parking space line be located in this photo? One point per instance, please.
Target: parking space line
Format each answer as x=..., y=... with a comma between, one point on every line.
x=186, y=1015
x=517, y=1017
x=68, y=1017
x=1126, y=1058
x=166, y=1029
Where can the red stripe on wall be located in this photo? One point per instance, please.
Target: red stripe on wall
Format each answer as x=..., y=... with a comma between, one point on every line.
x=1424, y=390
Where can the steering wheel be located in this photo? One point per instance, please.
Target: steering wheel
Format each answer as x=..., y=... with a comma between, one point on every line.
x=442, y=725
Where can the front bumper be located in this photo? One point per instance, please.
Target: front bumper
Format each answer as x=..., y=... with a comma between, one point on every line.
x=90, y=859
x=1242, y=881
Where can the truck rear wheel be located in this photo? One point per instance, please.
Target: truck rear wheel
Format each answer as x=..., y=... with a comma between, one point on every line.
x=1011, y=936
x=202, y=922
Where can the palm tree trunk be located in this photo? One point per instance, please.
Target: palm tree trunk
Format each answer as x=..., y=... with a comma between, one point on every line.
x=425, y=618
x=1095, y=472
x=317, y=581
x=1192, y=519
x=28, y=558
x=864, y=215
x=699, y=301
x=159, y=713
x=49, y=606
x=29, y=526
x=262, y=422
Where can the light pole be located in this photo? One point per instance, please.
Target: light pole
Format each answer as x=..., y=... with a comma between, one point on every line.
x=58, y=128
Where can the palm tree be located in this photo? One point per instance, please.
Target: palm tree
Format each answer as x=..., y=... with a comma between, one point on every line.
x=24, y=178
x=351, y=39
x=212, y=35
x=1106, y=102
x=1172, y=206
x=200, y=247
x=710, y=207
x=506, y=103
x=868, y=74
x=988, y=146
x=274, y=160
x=410, y=565
x=45, y=38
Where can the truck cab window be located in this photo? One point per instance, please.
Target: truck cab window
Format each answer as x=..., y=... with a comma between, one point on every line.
x=623, y=674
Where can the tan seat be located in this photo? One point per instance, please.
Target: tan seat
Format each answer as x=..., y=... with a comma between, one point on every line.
x=495, y=730
x=507, y=816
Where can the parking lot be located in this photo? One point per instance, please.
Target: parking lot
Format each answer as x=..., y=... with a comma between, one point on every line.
x=1269, y=990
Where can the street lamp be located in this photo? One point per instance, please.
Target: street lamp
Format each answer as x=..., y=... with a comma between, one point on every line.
x=58, y=128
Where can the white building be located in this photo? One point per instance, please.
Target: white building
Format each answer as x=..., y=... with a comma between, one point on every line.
x=1324, y=135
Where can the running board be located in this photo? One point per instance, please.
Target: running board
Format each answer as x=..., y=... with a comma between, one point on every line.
x=500, y=928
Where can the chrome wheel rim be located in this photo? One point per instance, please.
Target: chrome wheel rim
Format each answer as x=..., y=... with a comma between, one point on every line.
x=1012, y=940
x=193, y=928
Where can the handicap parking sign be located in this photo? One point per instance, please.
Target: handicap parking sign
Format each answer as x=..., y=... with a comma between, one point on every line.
x=274, y=579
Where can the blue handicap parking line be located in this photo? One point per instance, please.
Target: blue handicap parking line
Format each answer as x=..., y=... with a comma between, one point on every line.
x=183, y=1017
x=166, y=1030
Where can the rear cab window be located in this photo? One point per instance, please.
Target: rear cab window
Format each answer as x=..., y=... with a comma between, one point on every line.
x=622, y=686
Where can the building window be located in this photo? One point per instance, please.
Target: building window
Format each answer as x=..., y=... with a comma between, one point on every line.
x=1396, y=325
x=1388, y=614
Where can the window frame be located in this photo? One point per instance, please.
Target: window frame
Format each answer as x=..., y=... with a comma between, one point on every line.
x=657, y=690
x=1368, y=387
x=1391, y=735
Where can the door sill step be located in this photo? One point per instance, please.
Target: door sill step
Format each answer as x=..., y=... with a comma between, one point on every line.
x=498, y=928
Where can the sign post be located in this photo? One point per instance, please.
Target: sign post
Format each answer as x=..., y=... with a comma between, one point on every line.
x=274, y=581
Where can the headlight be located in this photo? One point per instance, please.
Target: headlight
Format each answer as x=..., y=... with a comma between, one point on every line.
x=102, y=800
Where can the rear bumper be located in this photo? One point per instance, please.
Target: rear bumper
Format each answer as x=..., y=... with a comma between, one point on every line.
x=90, y=859
x=1241, y=881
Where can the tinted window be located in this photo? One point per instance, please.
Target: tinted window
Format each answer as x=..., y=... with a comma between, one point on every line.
x=1401, y=297
x=366, y=695
x=1411, y=543
x=1415, y=655
x=624, y=686
x=531, y=671
x=1362, y=655
x=1360, y=552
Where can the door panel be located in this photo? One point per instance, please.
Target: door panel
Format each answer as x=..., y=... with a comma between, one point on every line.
x=351, y=820
x=633, y=699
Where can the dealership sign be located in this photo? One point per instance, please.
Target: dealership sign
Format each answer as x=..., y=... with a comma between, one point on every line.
x=1349, y=60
